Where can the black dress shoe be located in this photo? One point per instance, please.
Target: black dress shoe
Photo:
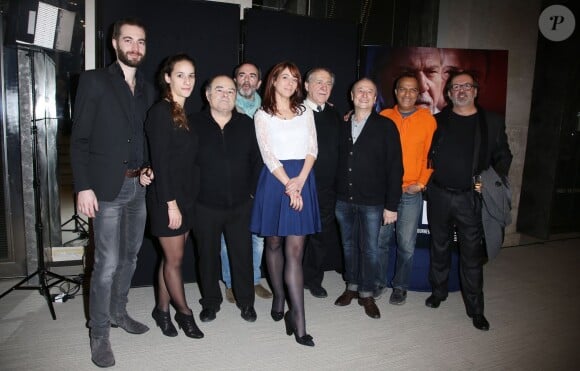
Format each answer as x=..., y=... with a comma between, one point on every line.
x=317, y=291
x=305, y=340
x=434, y=301
x=208, y=314
x=479, y=322
x=249, y=313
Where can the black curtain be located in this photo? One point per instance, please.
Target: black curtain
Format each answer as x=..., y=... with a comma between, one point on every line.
x=207, y=31
x=271, y=37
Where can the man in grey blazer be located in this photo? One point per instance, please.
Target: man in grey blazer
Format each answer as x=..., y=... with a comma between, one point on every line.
x=107, y=154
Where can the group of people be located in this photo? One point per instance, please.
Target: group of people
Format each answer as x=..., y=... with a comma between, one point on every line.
x=277, y=174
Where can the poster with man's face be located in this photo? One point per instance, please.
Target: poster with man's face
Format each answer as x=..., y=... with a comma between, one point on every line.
x=432, y=67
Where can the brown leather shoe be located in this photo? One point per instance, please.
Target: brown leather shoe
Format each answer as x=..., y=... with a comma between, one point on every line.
x=262, y=292
x=346, y=298
x=371, y=308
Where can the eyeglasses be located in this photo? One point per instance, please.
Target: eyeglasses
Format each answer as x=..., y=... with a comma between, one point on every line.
x=411, y=91
x=464, y=87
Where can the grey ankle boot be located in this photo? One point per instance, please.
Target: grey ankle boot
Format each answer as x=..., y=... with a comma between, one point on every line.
x=101, y=352
x=129, y=324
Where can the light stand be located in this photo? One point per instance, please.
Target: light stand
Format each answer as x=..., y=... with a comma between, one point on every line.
x=43, y=273
x=80, y=225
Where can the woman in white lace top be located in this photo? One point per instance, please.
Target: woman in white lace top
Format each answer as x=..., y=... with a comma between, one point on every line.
x=286, y=204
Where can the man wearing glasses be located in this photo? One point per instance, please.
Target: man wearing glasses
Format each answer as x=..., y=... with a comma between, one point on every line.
x=229, y=163
x=467, y=141
x=416, y=126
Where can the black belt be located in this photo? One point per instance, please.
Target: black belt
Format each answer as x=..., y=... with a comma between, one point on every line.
x=132, y=173
x=451, y=189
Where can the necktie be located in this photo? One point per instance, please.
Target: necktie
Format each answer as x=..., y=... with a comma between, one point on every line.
x=319, y=108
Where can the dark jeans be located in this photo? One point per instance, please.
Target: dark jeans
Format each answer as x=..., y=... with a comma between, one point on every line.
x=359, y=228
x=462, y=210
x=118, y=233
x=234, y=224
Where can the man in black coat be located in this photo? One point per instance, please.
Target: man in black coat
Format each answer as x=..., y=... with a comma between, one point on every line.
x=229, y=164
x=323, y=248
x=467, y=141
x=370, y=174
x=107, y=154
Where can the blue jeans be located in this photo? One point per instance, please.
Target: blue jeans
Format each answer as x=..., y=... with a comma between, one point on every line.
x=257, y=249
x=359, y=228
x=118, y=233
x=408, y=215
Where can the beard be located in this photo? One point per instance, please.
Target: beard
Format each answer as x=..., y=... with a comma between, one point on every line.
x=462, y=100
x=124, y=58
x=247, y=92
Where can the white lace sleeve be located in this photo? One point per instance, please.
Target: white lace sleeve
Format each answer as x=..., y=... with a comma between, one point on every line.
x=312, y=148
x=262, y=123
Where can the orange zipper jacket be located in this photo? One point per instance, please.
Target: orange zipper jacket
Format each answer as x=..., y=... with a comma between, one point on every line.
x=416, y=132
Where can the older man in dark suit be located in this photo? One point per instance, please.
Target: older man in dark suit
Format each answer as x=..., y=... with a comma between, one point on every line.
x=107, y=154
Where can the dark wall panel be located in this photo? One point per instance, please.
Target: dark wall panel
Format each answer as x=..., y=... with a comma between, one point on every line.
x=208, y=31
x=550, y=195
x=271, y=37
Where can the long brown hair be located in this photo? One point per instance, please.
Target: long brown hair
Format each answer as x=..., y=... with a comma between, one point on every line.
x=269, y=101
x=177, y=111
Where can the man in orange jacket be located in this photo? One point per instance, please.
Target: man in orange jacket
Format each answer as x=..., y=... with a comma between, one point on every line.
x=416, y=126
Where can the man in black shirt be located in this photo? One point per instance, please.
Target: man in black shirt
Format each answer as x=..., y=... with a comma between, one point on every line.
x=323, y=248
x=229, y=163
x=468, y=140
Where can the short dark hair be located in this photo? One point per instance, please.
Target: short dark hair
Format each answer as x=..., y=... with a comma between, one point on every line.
x=405, y=75
x=454, y=74
x=237, y=69
x=210, y=82
x=131, y=21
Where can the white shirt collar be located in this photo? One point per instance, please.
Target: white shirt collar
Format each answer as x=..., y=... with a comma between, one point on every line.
x=313, y=106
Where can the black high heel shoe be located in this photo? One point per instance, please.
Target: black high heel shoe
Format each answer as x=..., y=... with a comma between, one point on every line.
x=186, y=322
x=290, y=329
x=163, y=321
x=276, y=316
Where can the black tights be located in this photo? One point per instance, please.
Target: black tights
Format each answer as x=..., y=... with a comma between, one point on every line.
x=286, y=266
x=170, y=280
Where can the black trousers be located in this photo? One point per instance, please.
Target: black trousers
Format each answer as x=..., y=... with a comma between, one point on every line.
x=447, y=210
x=234, y=223
x=323, y=250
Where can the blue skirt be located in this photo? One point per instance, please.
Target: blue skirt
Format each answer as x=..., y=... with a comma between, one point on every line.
x=272, y=214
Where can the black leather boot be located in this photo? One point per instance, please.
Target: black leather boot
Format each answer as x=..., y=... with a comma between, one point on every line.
x=187, y=323
x=163, y=321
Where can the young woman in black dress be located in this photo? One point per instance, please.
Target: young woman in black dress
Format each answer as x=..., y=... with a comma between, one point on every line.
x=172, y=146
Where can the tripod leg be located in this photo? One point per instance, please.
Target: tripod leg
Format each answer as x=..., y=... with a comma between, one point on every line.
x=44, y=291
x=19, y=284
